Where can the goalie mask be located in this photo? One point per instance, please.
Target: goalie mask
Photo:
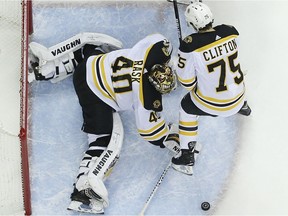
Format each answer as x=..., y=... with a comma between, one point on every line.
x=162, y=78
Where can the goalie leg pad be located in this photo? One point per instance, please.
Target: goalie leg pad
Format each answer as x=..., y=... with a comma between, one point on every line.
x=97, y=145
x=58, y=62
x=72, y=44
x=90, y=194
x=54, y=70
x=107, y=160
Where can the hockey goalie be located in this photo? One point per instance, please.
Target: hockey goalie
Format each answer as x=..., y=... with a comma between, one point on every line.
x=108, y=79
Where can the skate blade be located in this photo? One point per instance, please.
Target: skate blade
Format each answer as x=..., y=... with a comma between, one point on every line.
x=188, y=170
x=95, y=207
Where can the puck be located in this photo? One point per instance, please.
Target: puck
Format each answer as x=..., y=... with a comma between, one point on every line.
x=205, y=206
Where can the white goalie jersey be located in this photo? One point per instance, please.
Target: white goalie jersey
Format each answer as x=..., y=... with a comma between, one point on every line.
x=208, y=65
x=120, y=79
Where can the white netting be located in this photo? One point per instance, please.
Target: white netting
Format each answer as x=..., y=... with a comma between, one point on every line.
x=11, y=198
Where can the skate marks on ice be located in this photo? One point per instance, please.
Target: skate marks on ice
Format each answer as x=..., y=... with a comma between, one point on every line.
x=55, y=119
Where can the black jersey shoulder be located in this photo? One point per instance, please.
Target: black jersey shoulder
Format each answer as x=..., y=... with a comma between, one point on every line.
x=158, y=54
x=152, y=98
x=198, y=40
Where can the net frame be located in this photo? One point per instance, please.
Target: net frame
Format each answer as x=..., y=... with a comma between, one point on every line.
x=27, y=30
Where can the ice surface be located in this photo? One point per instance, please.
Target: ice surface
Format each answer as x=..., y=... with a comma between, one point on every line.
x=57, y=143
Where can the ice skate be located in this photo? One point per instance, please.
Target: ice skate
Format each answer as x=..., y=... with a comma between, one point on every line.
x=245, y=110
x=185, y=162
x=86, y=201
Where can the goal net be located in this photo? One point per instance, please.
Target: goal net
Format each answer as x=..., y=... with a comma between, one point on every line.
x=15, y=25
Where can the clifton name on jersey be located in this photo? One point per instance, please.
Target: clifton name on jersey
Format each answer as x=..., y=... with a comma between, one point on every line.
x=209, y=66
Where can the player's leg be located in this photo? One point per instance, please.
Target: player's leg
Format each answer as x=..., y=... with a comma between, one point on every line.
x=188, y=129
x=105, y=163
x=188, y=134
x=98, y=141
x=90, y=194
x=98, y=124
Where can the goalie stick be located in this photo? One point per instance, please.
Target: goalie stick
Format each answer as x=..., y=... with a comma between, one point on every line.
x=155, y=189
x=183, y=2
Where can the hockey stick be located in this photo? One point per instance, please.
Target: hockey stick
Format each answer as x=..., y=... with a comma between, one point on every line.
x=184, y=2
x=178, y=25
x=179, y=2
x=155, y=189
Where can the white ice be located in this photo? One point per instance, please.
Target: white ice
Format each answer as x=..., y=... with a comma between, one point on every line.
x=230, y=145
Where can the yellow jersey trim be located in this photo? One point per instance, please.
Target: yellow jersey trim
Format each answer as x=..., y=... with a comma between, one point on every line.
x=222, y=40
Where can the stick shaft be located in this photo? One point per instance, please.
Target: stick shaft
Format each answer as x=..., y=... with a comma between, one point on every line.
x=178, y=25
x=155, y=189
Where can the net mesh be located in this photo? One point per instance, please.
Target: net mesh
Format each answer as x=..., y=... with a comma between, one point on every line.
x=12, y=93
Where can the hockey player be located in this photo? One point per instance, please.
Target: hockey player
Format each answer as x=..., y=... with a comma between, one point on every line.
x=106, y=83
x=209, y=67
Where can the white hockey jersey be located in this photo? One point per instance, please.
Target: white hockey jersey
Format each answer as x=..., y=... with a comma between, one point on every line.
x=209, y=66
x=120, y=79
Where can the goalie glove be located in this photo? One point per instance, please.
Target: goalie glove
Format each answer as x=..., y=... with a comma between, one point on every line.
x=171, y=141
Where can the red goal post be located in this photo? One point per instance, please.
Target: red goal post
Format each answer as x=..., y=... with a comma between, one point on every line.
x=27, y=30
